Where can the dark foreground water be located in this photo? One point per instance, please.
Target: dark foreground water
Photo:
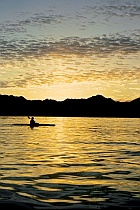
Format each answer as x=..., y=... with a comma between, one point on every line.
x=85, y=163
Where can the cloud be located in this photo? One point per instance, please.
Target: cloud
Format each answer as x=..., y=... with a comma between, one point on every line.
x=99, y=46
x=26, y=21
x=58, y=70
x=111, y=9
x=87, y=14
x=31, y=43
x=69, y=59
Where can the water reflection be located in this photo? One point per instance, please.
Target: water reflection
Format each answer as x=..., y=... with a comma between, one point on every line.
x=80, y=161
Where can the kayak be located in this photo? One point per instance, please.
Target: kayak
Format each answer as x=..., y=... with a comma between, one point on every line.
x=35, y=125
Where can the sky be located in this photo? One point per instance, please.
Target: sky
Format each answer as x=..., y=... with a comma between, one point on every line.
x=58, y=49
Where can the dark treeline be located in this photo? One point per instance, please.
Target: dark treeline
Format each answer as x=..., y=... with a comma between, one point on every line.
x=95, y=106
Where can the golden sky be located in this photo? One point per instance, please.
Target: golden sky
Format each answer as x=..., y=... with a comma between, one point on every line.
x=62, y=49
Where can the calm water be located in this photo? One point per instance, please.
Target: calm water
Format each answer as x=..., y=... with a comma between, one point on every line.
x=81, y=162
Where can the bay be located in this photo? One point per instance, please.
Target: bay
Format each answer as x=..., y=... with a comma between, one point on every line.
x=78, y=163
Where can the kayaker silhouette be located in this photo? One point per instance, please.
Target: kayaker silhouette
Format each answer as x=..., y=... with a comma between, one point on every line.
x=32, y=121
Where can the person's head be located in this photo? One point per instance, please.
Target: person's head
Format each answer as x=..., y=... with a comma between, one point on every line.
x=32, y=118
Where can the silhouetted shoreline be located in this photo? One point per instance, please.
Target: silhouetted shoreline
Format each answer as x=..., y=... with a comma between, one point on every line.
x=95, y=106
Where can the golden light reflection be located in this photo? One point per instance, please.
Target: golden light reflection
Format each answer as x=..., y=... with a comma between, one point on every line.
x=59, y=200
x=77, y=153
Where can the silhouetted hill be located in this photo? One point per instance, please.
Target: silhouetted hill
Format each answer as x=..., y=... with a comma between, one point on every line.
x=95, y=106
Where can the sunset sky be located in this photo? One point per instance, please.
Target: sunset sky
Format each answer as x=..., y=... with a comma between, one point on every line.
x=60, y=49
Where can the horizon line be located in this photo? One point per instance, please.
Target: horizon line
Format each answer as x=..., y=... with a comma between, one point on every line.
x=68, y=98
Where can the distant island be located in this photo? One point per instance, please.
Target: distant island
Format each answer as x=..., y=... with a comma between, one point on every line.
x=95, y=106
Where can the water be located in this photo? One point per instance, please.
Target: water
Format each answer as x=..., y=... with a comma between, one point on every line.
x=79, y=163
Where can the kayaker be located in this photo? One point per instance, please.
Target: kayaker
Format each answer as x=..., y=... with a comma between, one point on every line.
x=32, y=122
